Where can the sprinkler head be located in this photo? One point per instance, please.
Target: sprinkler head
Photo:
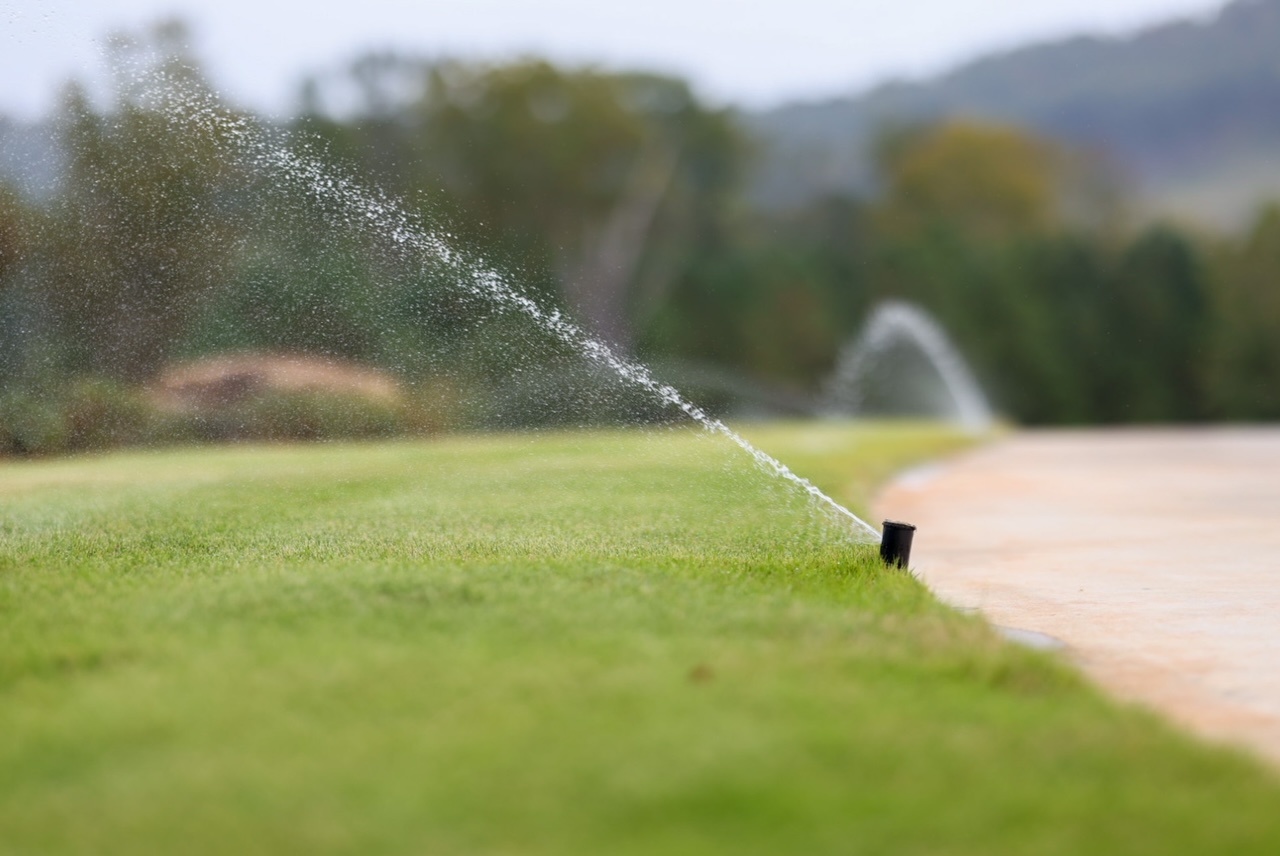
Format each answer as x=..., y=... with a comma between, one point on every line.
x=895, y=543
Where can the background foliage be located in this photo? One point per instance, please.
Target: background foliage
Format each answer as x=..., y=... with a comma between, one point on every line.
x=622, y=198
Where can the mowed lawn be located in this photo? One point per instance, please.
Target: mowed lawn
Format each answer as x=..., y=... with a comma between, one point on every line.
x=595, y=643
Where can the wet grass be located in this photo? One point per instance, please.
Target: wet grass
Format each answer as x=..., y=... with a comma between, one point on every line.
x=579, y=643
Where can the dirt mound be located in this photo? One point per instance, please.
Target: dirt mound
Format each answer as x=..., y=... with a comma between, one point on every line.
x=215, y=383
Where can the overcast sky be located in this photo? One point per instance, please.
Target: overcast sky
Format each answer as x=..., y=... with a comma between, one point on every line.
x=750, y=53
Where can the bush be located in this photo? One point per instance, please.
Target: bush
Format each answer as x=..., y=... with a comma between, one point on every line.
x=300, y=415
x=90, y=414
x=83, y=415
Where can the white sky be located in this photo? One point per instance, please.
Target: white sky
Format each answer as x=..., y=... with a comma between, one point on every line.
x=751, y=53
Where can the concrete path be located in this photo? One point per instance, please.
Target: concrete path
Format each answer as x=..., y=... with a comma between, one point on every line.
x=1154, y=556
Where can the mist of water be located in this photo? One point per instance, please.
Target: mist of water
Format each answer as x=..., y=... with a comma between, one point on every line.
x=417, y=243
x=893, y=323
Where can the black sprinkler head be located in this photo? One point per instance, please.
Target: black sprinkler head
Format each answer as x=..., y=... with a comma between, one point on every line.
x=895, y=543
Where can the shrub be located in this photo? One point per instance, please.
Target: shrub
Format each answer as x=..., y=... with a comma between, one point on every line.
x=83, y=415
x=300, y=415
x=90, y=414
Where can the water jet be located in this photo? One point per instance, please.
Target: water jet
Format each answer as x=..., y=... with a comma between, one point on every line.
x=413, y=242
x=892, y=324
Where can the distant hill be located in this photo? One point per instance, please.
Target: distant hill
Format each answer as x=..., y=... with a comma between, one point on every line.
x=1189, y=110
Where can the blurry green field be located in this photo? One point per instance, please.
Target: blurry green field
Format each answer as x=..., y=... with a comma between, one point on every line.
x=597, y=643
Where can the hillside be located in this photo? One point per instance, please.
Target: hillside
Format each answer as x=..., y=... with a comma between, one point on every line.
x=1189, y=111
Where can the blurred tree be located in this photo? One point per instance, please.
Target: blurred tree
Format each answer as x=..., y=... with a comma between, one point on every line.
x=987, y=182
x=1245, y=374
x=303, y=286
x=15, y=227
x=766, y=309
x=609, y=179
x=991, y=182
x=1156, y=318
x=1062, y=345
x=18, y=232
x=141, y=229
x=771, y=295
x=1010, y=241
x=962, y=213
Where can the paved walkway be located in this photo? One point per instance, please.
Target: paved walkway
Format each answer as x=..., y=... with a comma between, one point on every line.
x=1154, y=556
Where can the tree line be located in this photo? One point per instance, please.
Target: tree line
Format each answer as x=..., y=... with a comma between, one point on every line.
x=619, y=197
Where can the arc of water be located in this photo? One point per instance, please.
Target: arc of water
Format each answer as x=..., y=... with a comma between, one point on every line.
x=892, y=322
x=381, y=215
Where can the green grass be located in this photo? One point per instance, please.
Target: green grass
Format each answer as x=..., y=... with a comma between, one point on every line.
x=604, y=643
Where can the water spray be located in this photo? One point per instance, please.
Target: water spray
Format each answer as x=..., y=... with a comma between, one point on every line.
x=895, y=544
x=384, y=218
x=893, y=323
